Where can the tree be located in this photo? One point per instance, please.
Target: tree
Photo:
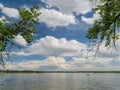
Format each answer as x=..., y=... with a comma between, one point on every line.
x=25, y=27
x=107, y=27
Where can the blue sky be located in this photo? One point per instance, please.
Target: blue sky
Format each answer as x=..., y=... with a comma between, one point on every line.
x=60, y=42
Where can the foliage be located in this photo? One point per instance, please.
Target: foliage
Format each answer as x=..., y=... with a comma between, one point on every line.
x=25, y=26
x=107, y=27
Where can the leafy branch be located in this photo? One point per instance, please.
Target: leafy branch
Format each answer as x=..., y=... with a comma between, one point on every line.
x=25, y=27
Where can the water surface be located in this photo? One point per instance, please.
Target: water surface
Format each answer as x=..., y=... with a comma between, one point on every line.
x=60, y=81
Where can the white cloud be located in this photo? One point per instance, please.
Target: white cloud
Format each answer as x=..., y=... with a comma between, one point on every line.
x=51, y=62
x=10, y=12
x=20, y=53
x=58, y=51
x=55, y=18
x=58, y=63
x=1, y=6
x=1, y=18
x=56, y=47
x=20, y=40
x=70, y=6
x=78, y=6
x=91, y=20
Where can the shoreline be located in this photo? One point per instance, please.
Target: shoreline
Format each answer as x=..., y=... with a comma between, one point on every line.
x=31, y=71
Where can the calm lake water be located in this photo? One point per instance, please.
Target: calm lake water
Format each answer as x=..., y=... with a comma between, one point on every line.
x=60, y=81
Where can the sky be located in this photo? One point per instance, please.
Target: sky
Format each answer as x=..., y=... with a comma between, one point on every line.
x=60, y=42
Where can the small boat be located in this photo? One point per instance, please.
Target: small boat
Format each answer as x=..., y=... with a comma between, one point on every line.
x=87, y=74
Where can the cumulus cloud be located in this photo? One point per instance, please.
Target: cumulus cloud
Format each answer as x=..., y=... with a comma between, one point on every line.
x=1, y=18
x=59, y=63
x=70, y=6
x=20, y=40
x=10, y=12
x=55, y=18
x=50, y=63
x=56, y=47
x=1, y=6
x=91, y=20
x=75, y=6
x=62, y=54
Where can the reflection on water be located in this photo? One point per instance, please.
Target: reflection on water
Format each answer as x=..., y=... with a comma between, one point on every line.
x=60, y=81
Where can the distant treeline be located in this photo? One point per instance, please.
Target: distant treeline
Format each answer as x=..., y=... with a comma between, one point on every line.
x=32, y=71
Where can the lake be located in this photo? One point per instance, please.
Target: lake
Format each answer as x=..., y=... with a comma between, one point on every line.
x=60, y=81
